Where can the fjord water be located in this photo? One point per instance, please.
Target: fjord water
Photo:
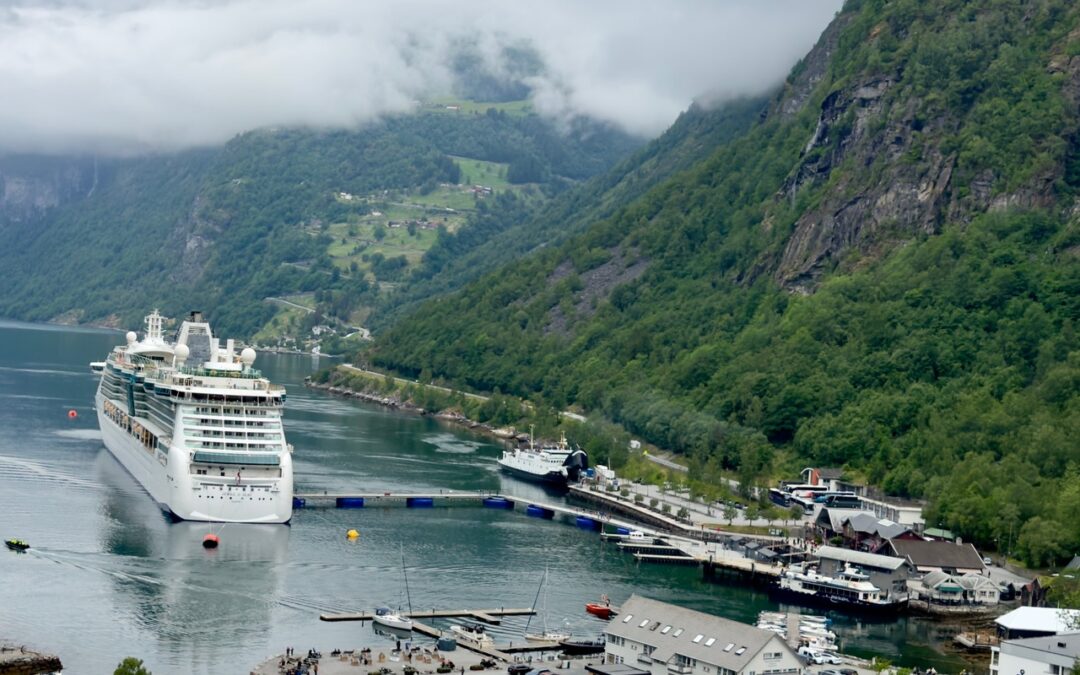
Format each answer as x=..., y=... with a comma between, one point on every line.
x=109, y=576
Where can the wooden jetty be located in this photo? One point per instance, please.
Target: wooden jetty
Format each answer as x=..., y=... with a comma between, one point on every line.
x=668, y=559
x=491, y=616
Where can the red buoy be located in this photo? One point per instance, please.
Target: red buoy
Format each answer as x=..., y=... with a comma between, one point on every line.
x=72, y=414
x=210, y=541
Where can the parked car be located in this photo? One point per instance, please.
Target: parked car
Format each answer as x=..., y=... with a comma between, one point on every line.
x=827, y=657
x=987, y=561
x=518, y=668
x=819, y=657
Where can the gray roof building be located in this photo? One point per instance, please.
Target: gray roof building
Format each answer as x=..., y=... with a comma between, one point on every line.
x=927, y=556
x=881, y=562
x=665, y=638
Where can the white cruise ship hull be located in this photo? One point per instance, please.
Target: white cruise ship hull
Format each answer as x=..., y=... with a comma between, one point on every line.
x=167, y=478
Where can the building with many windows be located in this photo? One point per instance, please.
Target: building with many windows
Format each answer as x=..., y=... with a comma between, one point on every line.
x=664, y=639
x=1053, y=655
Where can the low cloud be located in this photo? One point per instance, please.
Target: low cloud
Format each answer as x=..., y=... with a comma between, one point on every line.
x=129, y=76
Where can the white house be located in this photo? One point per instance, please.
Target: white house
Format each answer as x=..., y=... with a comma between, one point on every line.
x=664, y=639
x=944, y=588
x=1052, y=655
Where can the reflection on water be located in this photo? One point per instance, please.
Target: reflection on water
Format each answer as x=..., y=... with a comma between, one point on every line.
x=109, y=576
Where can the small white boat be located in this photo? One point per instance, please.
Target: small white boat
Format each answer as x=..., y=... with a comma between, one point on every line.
x=384, y=616
x=548, y=636
x=811, y=629
x=472, y=634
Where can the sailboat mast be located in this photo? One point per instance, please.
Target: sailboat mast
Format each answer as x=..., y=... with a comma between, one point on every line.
x=536, y=599
x=406, y=575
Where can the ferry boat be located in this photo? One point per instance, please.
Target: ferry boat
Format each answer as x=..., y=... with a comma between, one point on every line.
x=555, y=463
x=196, y=425
x=852, y=591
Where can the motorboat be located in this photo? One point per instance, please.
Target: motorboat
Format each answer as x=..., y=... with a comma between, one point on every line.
x=472, y=634
x=16, y=544
x=582, y=646
x=602, y=609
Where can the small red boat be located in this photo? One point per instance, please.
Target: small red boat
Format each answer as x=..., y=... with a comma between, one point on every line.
x=602, y=609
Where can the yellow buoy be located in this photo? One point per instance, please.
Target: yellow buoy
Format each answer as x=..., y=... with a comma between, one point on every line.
x=352, y=534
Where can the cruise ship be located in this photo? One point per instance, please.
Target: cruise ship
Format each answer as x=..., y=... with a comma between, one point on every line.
x=196, y=425
x=555, y=463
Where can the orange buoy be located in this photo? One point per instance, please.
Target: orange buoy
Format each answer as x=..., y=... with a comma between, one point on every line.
x=210, y=541
x=72, y=414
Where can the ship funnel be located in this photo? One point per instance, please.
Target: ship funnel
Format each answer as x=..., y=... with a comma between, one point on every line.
x=195, y=316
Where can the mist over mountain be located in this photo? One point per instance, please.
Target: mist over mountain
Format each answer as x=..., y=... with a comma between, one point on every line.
x=135, y=76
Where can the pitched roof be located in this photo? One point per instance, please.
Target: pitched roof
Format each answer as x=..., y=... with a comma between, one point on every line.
x=1074, y=564
x=1044, y=619
x=836, y=517
x=975, y=582
x=937, y=553
x=886, y=562
x=867, y=523
x=939, y=533
x=644, y=620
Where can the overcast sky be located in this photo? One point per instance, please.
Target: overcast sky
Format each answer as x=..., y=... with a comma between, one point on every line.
x=148, y=75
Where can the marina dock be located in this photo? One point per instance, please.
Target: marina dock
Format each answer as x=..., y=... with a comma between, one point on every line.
x=490, y=616
x=586, y=519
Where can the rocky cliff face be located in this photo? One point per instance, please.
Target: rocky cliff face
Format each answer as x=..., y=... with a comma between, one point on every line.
x=30, y=186
x=885, y=170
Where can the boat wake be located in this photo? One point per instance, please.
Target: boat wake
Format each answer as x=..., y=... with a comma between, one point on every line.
x=450, y=444
x=26, y=470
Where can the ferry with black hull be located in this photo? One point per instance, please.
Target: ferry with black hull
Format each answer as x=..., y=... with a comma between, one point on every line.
x=850, y=591
x=554, y=464
x=196, y=425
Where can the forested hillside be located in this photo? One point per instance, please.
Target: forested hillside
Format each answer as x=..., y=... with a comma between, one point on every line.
x=510, y=227
x=272, y=213
x=881, y=274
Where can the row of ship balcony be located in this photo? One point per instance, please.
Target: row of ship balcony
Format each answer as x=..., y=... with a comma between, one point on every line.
x=258, y=446
x=239, y=435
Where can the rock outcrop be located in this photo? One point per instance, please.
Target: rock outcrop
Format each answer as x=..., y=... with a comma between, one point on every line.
x=22, y=661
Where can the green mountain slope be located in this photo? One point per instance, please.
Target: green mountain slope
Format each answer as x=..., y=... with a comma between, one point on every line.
x=271, y=213
x=510, y=227
x=882, y=273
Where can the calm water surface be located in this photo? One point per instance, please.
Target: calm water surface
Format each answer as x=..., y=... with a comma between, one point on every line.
x=109, y=576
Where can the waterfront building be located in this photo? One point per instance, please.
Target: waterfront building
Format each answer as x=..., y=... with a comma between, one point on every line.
x=1055, y=655
x=886, y=572
x=943, y=588
x=664, y=639
x=1025, y=622
x=938, y=556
